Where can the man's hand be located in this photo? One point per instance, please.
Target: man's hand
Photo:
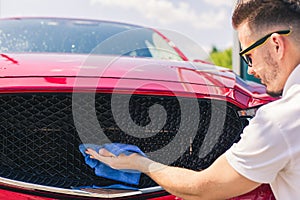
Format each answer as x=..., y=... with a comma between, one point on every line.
x=116, y=162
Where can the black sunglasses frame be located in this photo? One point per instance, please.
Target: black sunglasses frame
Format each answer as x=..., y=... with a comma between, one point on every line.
x=259, y=42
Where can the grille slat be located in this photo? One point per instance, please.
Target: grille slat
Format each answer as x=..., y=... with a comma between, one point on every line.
x=39, y=140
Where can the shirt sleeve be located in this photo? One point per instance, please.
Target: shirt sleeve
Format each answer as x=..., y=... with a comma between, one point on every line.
x=261, y=152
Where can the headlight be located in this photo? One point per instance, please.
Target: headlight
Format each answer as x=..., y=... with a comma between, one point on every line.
x=248, y=113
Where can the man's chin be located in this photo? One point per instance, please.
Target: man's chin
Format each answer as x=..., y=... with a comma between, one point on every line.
x=274, y=93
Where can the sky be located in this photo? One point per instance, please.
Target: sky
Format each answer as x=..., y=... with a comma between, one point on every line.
x=206, y=22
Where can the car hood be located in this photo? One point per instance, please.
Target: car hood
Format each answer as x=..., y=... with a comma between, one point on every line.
x=191, y=77
x=60, y=65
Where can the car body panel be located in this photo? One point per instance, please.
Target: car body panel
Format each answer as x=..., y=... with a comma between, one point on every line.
x=44, y=72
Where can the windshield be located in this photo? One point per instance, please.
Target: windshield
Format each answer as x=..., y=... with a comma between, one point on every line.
x=32, y=35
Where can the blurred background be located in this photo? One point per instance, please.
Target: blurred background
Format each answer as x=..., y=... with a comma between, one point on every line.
x=206, y=22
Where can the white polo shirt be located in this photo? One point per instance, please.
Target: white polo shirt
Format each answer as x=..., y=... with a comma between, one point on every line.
x=269, y=149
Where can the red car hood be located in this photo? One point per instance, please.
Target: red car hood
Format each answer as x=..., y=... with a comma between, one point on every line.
x=64, y=70
x=59, y=65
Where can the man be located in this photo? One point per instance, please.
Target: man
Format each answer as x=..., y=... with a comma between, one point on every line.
x=269, y=149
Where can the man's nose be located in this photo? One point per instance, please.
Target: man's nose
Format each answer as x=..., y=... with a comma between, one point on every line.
x=251, y=71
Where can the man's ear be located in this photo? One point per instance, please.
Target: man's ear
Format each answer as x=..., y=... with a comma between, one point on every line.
x=278, y=44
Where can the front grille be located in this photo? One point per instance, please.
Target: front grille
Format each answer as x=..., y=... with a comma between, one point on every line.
x=40, y=133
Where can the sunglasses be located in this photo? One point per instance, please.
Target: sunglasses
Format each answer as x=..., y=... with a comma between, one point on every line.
x=258, y=43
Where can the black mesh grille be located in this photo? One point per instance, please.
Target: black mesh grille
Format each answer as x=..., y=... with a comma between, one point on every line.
x=39, y=140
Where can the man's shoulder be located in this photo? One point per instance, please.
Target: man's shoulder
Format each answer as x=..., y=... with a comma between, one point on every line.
x=289, y=102
x=283, y=112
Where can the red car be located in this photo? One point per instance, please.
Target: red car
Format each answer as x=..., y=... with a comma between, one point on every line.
x=67, y=82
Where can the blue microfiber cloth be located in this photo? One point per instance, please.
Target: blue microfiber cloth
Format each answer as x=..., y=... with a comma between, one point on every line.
x=103, y=170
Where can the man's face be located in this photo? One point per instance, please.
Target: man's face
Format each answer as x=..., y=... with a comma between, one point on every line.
x=265, y=65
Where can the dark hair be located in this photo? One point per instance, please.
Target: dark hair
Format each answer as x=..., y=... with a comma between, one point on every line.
x=265, y=13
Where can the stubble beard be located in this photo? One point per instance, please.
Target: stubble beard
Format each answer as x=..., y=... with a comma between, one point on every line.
x=272, y=75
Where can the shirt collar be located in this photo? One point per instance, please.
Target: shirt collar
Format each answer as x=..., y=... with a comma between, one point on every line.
x=294, y=78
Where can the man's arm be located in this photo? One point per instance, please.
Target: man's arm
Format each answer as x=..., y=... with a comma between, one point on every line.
x=219, y=181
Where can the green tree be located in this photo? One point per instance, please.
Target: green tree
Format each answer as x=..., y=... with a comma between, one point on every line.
x=221, y=58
